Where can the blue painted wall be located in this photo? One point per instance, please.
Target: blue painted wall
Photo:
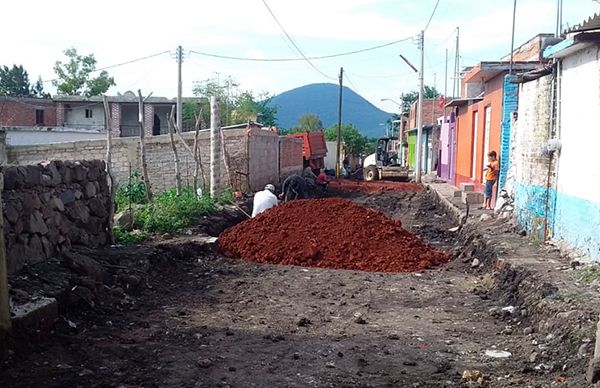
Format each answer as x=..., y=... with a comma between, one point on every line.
x=510, y=104
x=570, y=219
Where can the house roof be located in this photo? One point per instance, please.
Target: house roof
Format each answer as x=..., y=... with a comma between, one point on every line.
x=592, y=23
x=484, y=71
x=463, y=101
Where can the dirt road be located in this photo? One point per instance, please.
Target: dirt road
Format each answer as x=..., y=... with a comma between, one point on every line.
x=207, y=321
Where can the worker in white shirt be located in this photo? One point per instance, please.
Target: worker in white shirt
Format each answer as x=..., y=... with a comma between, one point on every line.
x=264, y=200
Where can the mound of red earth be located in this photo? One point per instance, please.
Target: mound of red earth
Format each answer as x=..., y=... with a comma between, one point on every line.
x=329, y=233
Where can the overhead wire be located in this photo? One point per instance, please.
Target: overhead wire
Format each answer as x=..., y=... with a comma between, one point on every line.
x=313, y=58
x=294, y=43
x=432, y=14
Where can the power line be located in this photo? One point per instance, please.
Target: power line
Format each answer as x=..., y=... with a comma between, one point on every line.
x=342, y=54
x=120, y=64
x=294, y=43
x=432, y=13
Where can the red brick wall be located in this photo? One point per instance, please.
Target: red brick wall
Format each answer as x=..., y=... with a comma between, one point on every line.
x=431, y=111
x=21, y=112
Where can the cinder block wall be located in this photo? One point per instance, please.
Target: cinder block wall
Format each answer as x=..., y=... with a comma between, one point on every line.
x=48, y=208
x=290, y=157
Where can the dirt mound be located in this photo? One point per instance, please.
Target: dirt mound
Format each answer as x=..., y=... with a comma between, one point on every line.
x=329, y=233
x=372, y=187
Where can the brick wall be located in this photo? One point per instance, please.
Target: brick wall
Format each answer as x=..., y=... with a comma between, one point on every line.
x=22, y=112
x=261, y=146
x=431, y=112
x=290, y=157
x=533, y=201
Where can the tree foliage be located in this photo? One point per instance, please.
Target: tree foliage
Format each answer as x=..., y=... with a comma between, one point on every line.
x=354, y=142
x=409, y=98
x=14, y=81
x=74, y=76
x=237, y=106
x=308, y=123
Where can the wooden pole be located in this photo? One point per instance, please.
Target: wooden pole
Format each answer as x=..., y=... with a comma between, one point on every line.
x=143, y=146
x=338, y=162
x=197, y=158
x=113, y=183
x=215, y=148
x=175, y=154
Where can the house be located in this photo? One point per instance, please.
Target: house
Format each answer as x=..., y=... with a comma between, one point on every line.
x=432, y=111
x=555, y=143
x=29, y=121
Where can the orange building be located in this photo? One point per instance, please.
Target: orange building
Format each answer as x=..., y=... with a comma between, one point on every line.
x=479, y=118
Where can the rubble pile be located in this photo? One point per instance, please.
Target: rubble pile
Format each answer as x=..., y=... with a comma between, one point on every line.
x=329, y=233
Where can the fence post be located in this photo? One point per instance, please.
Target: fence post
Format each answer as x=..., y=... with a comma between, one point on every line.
x=215, y=148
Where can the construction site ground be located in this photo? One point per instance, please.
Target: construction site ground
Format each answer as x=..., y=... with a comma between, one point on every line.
x=198, y=319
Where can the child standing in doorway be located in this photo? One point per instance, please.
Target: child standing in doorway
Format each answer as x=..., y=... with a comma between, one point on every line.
x=491, y=176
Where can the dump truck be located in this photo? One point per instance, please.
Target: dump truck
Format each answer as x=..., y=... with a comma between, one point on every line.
x=314, y=148
x=384, y=163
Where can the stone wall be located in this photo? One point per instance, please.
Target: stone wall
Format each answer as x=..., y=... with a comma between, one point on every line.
x=49, y=207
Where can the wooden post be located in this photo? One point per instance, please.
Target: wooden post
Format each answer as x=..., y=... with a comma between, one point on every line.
x=176, y=155
x=113, y=183
x=197, y=158
x=5, y=322
x=143, y=146
x=215, y=148
x=226, y=158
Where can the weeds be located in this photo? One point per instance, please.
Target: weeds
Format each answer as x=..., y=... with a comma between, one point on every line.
x=589, y=274
x=126, y=237
x=133, y=192
x=227, y=197
x=170, y=212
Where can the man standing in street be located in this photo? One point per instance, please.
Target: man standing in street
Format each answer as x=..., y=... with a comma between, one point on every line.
x=264, y=200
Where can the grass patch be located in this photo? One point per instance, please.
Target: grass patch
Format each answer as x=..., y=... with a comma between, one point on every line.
x=589, y=274
x=169, y=212
x=126, y=237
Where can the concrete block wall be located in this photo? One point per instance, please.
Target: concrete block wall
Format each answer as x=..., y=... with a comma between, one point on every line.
x=510, y=104
x=49, y=207
x=253, y=157
x=533, y=200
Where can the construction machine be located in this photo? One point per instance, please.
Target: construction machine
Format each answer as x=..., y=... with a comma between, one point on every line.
x=385, y=162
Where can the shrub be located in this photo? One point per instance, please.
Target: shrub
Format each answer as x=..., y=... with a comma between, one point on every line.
x=133, y=192
x=170, y=212
x=227, y=197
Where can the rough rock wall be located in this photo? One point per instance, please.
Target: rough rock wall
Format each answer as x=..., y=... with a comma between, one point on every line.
x=49, y=207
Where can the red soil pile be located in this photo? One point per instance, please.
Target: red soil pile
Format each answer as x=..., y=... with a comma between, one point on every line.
x=329, y=233
x=371, y=187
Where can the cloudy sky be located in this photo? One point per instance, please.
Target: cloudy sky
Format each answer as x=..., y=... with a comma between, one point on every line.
x=34, y=34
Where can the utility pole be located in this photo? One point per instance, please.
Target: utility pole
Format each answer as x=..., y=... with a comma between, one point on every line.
x=338, y=163
x=420, y=109
x=456, y=82
x=433, y=100
x=179, y=90
x=512, y=39
x=445, y=85
x=558, y=18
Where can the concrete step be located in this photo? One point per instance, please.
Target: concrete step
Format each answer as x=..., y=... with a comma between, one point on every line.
x=467, y=187
x=473, y=198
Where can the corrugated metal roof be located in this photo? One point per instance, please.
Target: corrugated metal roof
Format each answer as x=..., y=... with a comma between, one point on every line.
x=593, y=23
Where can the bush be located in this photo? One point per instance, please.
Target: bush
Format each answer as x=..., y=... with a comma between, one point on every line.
x=227, y=197
x=170, y=212
x=133, y=192
x=128, y=238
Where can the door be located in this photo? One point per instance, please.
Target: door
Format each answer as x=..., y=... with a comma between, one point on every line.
x=156, y=125
x=486, y=137
x=474, y=145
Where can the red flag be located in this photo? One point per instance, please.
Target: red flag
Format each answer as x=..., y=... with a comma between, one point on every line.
x=442, y=101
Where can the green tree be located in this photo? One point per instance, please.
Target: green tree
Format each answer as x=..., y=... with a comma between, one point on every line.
x=37, y=89
x=74, y=76
x=308, y=123
x=354, y=142
x=14, y=81
x=409, y=98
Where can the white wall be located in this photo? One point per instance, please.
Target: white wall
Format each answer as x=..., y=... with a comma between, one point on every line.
x=75, y=116
x=579, y=174
x=35, y=136
x=330, y=159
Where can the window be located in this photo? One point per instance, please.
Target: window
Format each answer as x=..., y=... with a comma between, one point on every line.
x=474, y=144
x=88, y=113
x=39, y=117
